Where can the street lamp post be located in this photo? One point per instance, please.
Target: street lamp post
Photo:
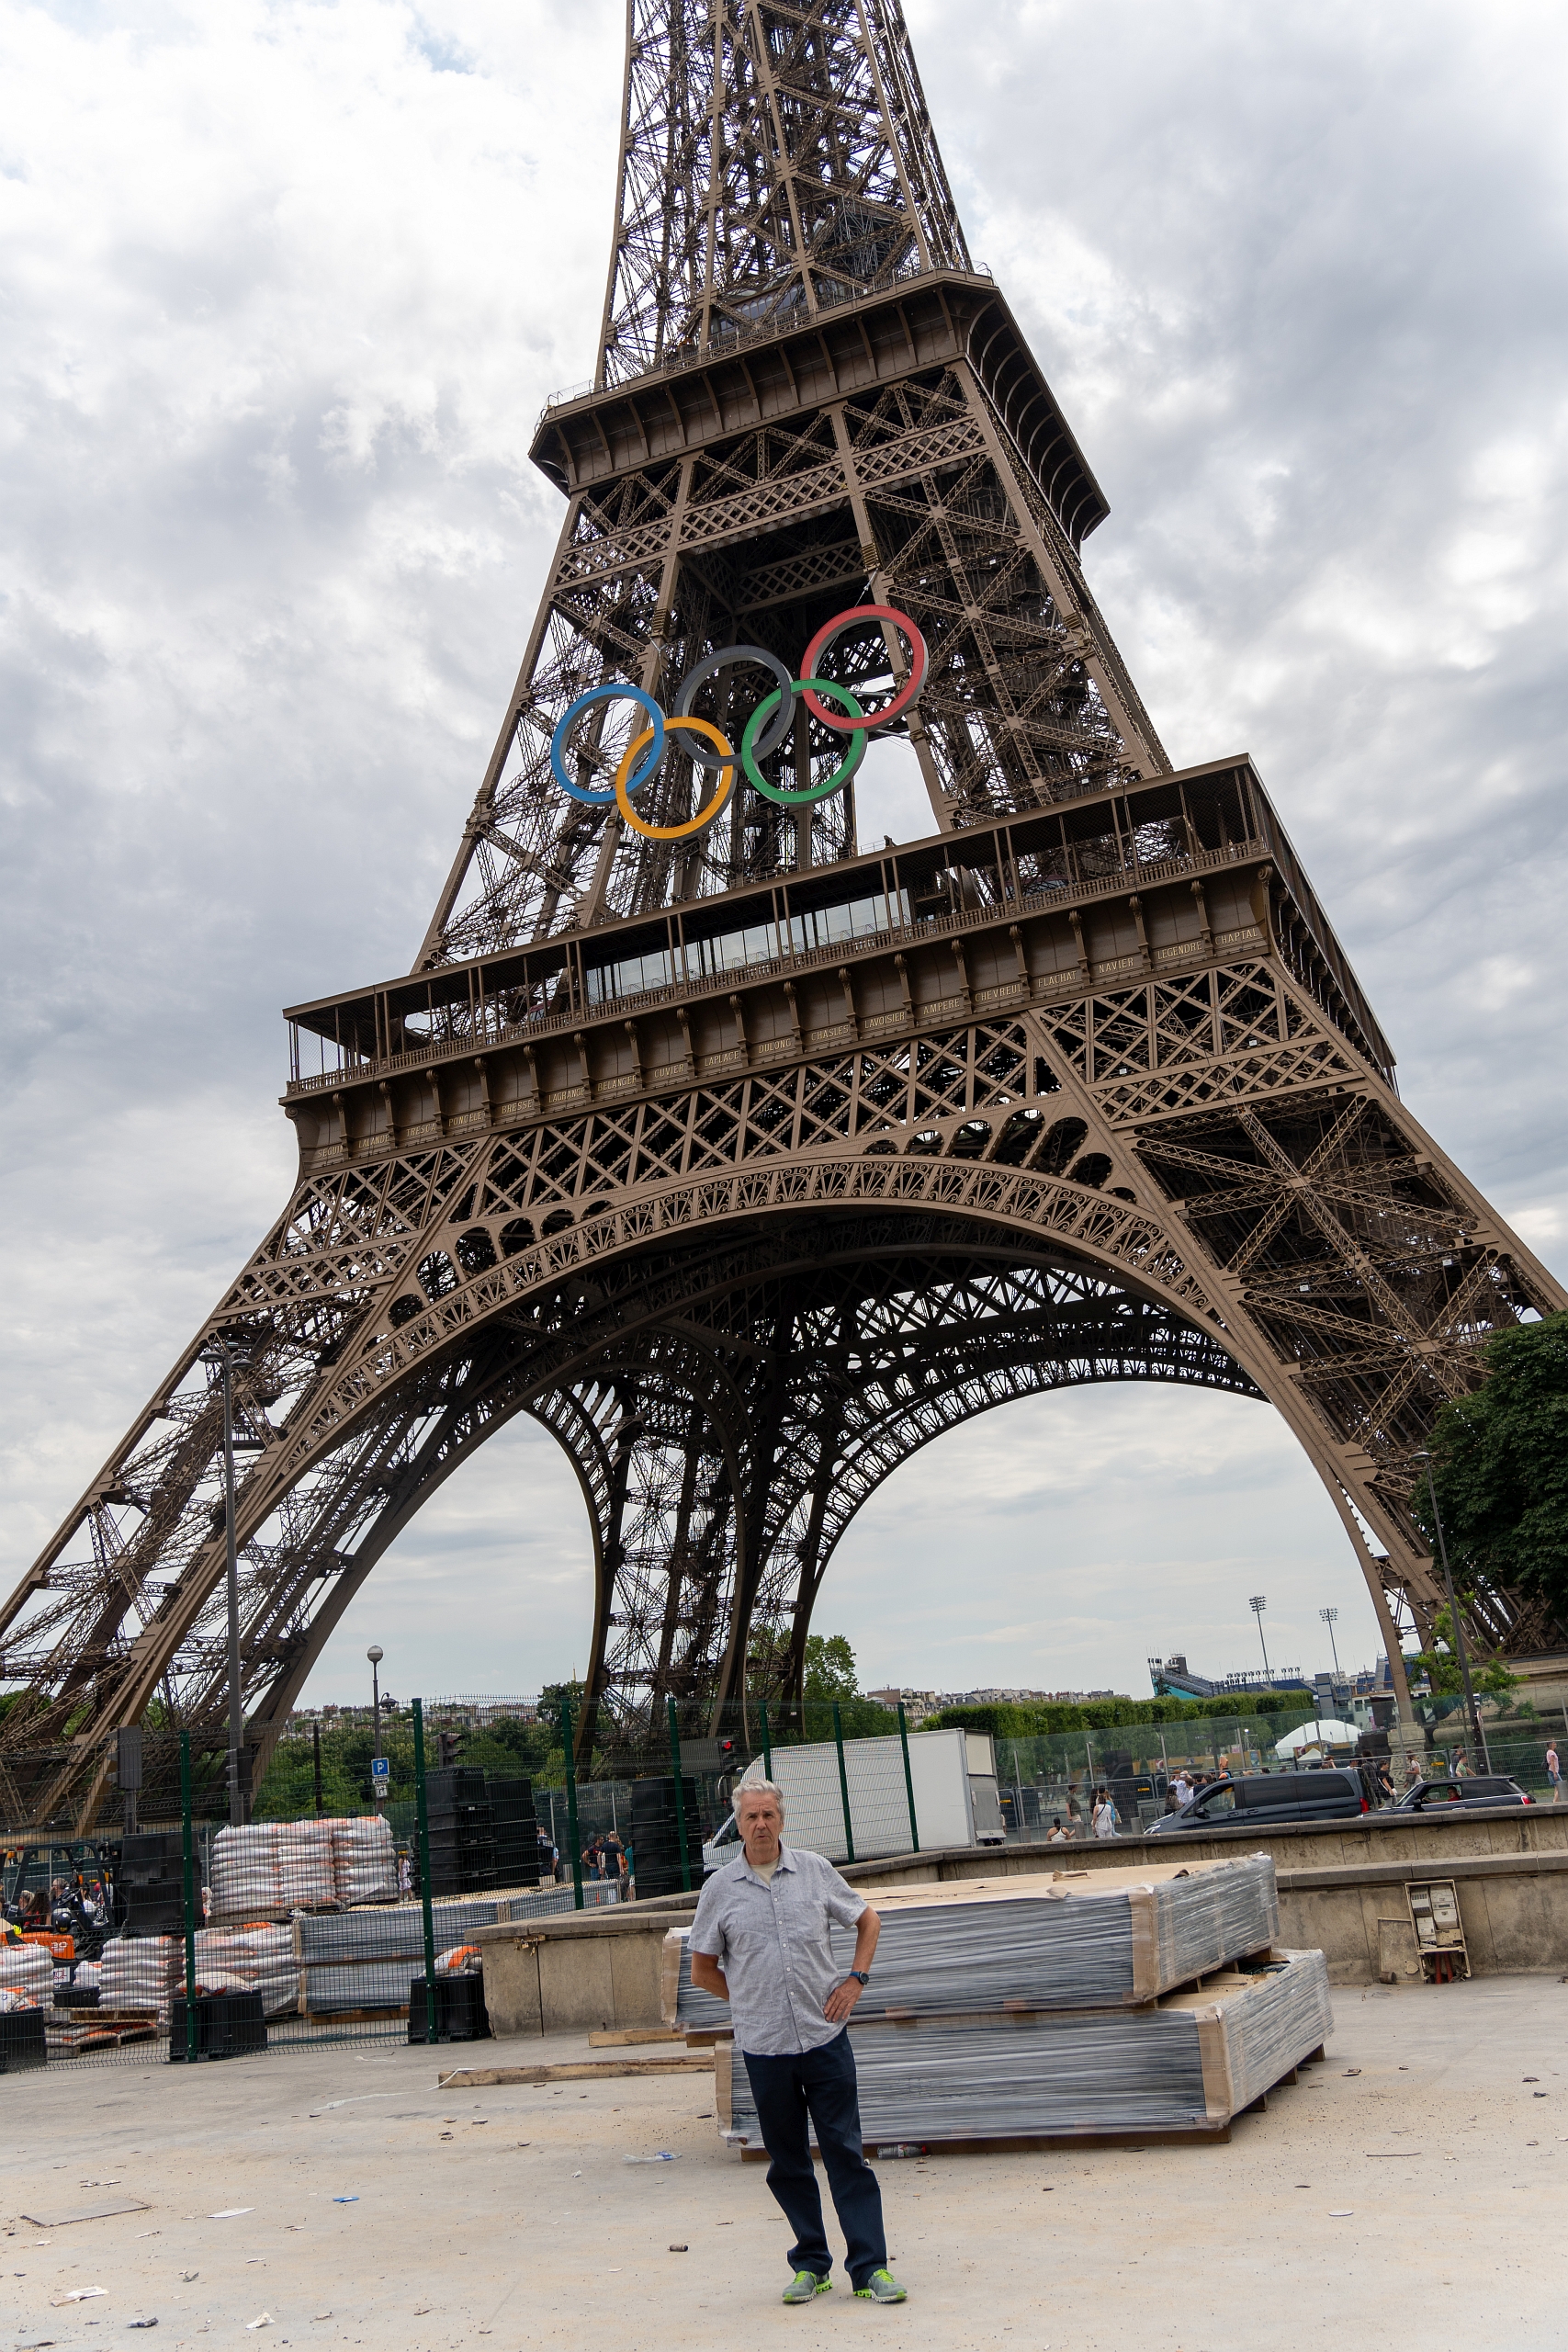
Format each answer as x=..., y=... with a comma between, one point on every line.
x=1258, y=1604
x=1477, y=1735
x=1328, y=1616
x=374, y=1654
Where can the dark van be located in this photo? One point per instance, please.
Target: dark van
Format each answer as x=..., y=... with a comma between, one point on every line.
x=1271, y=1801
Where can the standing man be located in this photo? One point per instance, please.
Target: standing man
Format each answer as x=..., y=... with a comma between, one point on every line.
x=1553, y=1770
x=760, y=1941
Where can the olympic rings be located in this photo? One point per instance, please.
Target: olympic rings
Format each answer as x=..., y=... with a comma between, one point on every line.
x=766, y=731
x=907, y=691
x=710, y=666
x=725, y=763
x=607, y=693
x=840, y=775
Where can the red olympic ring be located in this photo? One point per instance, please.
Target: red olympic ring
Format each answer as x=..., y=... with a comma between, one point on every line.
x=811, y=661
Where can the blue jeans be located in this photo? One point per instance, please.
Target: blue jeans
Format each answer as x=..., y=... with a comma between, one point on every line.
x=819, y=2083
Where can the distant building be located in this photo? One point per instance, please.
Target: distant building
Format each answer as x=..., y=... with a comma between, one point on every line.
x=1172, y=1677
x=916, y=1704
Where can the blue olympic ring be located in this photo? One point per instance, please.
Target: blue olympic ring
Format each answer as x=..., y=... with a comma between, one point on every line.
x=650, y=765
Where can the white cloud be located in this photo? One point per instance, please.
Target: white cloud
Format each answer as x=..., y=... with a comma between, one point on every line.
x=285, y=287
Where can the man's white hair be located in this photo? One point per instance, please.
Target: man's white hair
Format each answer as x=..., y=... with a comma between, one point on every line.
x=756, y=1789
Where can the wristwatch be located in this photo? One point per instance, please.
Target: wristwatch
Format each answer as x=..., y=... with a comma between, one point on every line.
x=861, y=1975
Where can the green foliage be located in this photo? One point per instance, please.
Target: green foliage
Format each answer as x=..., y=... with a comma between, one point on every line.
x=1501, y=1468
x=1497, y=1682
x=1440, y=1665
x=1044, y=1716
x=511, y=1747
x=858, y=1718
x=831, y=1671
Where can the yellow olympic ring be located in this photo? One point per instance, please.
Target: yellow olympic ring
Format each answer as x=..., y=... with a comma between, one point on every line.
x=704, y=816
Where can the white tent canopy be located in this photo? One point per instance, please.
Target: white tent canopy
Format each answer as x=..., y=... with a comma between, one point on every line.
x=1329, y=1734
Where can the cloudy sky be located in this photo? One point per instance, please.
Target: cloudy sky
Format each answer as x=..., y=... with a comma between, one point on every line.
x=284, y=288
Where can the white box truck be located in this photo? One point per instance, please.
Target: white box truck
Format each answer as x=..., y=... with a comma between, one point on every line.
x=954, y=1777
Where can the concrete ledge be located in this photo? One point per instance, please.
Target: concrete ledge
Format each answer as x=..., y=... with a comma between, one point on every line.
x=1399, y=1874
x=592, y=1970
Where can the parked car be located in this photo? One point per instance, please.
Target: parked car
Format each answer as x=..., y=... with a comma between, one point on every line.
x=1272, y=1800
x=1469, y=1789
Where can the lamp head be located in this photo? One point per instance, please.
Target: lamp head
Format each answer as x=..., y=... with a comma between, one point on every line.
x=375, y=1653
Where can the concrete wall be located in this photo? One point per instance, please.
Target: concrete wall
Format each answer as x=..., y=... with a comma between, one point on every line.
x=1514, y=1910
x=598, y=1971
x=581, y=1975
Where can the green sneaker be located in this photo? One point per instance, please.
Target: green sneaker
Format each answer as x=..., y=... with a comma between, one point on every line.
x=806, y=2285
x=881, y=2288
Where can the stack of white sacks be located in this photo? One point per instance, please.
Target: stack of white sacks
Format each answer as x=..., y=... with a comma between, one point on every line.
x=141, y=1972
x=273, y=1866
x=265, y=1866
x=365, y=1863
x=244, y=1871
x=250, y=1959
x=304, y=1880
x=27, y=1977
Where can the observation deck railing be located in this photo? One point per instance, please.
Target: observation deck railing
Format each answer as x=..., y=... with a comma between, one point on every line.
x=488, y=1037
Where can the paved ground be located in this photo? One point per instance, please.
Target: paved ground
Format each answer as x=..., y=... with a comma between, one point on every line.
x=527, y=2226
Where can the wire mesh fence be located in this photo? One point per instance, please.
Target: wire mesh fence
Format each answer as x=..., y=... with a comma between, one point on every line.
x=180, y=1936
x=345, y=1907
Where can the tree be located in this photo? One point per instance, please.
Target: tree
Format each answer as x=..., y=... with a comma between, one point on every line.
x=1500, y=1462
x=831, y=1671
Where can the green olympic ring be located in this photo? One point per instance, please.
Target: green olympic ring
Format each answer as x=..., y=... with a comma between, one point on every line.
x=840, y=775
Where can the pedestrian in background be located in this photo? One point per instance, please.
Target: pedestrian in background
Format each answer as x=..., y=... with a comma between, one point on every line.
x=1105, y=1813
x=1553, y=1770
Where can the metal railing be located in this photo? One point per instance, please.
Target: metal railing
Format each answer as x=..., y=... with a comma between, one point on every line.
x=769, y=330
x=491, y=1036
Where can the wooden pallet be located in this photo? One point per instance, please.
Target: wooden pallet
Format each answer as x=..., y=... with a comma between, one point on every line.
x=1203, y=2135
x=86, y=2030
x=572, y=2071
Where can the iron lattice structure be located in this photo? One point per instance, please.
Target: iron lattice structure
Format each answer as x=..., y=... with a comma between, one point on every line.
x=750, y=1163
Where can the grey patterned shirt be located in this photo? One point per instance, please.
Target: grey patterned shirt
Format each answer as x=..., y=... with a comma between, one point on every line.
x=771, y=1940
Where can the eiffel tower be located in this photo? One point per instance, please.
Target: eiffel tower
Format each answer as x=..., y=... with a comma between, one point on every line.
x=746, y=1158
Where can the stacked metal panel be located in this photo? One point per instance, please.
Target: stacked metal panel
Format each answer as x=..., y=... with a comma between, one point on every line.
x=1048, y=2007
x=367, y=1960
x=1069, y=1940
x=1188, y=2064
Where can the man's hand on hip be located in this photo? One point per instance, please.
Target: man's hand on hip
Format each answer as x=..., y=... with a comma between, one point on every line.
x=841, y=2001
